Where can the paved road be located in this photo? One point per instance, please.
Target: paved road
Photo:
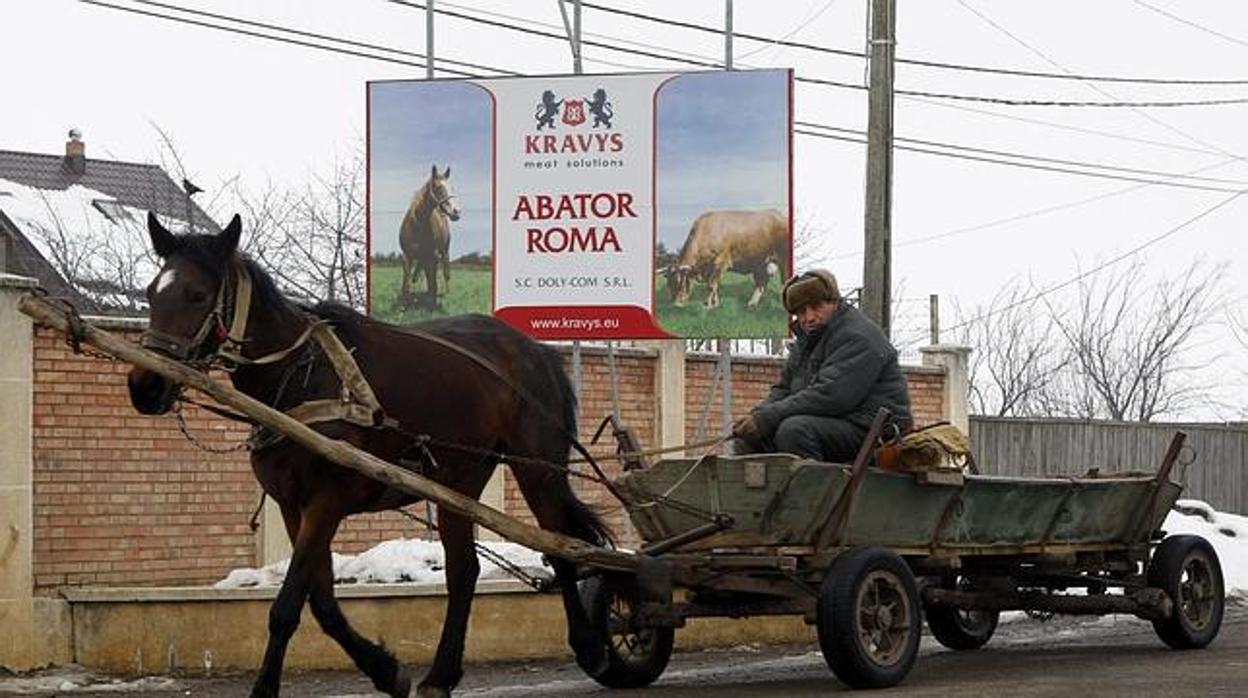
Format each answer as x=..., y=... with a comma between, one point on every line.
x=1109, y=656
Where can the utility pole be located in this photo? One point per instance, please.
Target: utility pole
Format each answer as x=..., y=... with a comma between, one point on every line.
x=878, y=234
x=429, y=39
x=725, y=344
x=727, y=34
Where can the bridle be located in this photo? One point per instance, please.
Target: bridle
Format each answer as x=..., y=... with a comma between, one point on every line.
x=222, y=334
x=440, y=203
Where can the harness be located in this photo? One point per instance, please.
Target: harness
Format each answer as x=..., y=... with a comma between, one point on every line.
x=356, y=402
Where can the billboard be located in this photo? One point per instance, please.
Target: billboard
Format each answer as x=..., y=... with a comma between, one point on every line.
x=584, y=207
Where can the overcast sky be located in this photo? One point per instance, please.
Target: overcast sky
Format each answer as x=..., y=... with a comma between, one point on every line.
x=241, y=105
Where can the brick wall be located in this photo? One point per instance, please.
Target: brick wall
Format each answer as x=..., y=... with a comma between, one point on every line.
x=124, y=499
x=120, y=498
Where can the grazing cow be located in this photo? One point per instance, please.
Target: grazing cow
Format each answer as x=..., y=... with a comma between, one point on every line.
x=749, y=242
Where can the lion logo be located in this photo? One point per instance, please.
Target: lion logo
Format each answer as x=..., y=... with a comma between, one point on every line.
x=547, y=110
x=601, y=108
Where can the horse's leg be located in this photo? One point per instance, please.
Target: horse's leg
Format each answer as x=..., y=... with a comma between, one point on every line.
x=406, y=289
x=462, y=569
x=307, y=529
x=551, y=500
x=430, y=265
x=387, y=674
x=446, y=271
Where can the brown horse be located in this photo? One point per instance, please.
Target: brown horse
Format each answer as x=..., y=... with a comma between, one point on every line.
x=425, y=236
x=527, y=409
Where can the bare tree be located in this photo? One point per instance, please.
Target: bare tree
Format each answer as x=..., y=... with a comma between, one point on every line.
x=312, y=239
x=1014, y=363
x=1130, y=343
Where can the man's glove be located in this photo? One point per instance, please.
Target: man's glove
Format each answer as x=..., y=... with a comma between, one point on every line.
x=747, y=428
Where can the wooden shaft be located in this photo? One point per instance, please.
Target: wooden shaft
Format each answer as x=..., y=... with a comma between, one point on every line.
x=339, y=452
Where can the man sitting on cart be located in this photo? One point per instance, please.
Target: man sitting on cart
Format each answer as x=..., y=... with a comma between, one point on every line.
x=841, y=369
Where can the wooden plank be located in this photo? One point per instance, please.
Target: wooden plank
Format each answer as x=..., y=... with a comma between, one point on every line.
x=337, y=451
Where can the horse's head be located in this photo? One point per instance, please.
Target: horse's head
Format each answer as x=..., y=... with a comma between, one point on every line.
x=679, y=283
x=187, y=307
x=443, y=196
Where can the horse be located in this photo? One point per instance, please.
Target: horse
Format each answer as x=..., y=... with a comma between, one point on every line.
x=425, y=236
x=211, y=305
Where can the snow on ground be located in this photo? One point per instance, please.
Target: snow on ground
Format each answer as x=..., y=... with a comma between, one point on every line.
x=421, y=562
x=395, y=561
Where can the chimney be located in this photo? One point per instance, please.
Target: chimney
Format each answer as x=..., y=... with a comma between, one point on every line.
x=75, y=153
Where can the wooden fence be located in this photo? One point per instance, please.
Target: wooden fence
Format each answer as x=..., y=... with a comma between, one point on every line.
x=1065, y=447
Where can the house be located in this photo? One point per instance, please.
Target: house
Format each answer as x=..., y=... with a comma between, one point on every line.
x=77, y=224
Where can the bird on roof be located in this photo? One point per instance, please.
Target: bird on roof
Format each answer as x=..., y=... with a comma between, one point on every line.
x=189, y=187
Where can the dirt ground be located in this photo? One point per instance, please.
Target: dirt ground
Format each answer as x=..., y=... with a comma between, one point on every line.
x=1112, y=655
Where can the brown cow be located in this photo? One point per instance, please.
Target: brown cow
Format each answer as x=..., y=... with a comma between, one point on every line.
x=749, y=242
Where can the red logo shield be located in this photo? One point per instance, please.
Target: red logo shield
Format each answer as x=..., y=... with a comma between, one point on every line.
x=574, y=112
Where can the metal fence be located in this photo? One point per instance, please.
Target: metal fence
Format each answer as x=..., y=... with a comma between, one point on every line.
x=1066, y=447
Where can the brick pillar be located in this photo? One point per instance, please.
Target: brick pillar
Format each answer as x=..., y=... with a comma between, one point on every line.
x=35, y=631
x=954, y=359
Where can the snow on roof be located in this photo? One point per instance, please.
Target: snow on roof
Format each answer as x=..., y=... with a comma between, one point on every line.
x=421, y=562
x=99, y=244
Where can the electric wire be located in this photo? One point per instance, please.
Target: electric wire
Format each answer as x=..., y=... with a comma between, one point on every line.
x=468, y=74
x=927, y=64
x=841, y=84
x=1104, y=265
x=1033, y=166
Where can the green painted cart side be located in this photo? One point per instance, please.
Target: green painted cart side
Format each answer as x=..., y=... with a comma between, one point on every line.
x=779, y=500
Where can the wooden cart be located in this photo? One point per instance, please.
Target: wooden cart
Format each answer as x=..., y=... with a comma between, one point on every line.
x=860, y=553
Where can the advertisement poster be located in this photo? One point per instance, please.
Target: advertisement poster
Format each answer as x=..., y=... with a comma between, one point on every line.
x=635, y=206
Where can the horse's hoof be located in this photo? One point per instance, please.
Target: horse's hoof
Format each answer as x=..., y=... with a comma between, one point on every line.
x=402, y=684
x=424, y=691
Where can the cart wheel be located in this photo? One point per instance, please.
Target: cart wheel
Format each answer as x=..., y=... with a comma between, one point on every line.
x=635, y=657
x=959, y=629
x=1187, y=568
x=868, y=618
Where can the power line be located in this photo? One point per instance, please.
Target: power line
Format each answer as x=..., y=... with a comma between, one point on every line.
x=836, y=83
x=1190, y=23
x=1067, y=127
x=287, y=40
x=501, y=70
x=1100, y=90
x=927, y=64
x=1025, y=156
x=1104, y=265
x=1011, y=163
x=910, y=242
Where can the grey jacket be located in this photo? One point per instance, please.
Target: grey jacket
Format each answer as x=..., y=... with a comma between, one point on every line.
x=847, y=370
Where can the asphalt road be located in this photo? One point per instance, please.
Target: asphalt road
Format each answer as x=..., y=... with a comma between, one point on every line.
x=1109, y=656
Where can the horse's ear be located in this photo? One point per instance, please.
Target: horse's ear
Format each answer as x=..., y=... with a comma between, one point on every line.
x=446, y=174
x=435, y=172
x=227, y=240
x=164, y=243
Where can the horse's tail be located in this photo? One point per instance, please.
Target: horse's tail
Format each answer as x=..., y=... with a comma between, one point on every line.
x=583, y=522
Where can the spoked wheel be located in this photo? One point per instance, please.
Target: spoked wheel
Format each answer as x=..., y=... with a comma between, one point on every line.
x=635, y=656
x=960, y=629
x=868, y=618
x=1187, y=569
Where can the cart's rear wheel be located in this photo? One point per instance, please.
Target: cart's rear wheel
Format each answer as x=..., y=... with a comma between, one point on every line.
x=959, y=629
x=635, y=656
x=868, y=618
x=1187, y=569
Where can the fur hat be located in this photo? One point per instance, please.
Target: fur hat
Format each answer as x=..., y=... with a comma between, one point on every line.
x=811, y=287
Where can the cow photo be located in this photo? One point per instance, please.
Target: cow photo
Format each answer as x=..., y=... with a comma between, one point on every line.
x=429, y=198
x=722, y=196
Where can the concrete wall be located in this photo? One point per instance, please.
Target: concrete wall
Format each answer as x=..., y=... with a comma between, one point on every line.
x=34, y=630
x=136, y=631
